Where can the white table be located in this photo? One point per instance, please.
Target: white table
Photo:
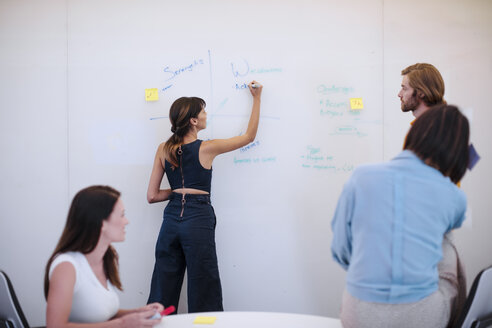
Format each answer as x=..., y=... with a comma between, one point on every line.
x=250, y=320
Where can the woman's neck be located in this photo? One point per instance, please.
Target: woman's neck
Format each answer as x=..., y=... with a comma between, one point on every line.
x=95, y=257
x=190, y=136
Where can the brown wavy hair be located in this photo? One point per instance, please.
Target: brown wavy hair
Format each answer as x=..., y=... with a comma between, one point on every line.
x=440, y=138
x=182, y=110
x=426, y=80
x=89, y=208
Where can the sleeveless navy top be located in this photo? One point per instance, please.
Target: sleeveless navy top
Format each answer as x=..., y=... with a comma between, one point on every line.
x=190, y=172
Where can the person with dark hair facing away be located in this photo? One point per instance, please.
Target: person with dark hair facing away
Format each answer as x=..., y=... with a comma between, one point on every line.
x=187, y=235
x=82, y=276
x=389, y=225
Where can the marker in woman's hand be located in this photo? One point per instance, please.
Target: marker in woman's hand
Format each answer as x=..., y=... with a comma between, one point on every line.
x=166, y=311
x=255, y=85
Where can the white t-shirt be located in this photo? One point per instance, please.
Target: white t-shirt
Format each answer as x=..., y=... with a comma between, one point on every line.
x=91, y=301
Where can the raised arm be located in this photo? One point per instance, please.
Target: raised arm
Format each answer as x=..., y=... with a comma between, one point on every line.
x=154, y=191
x=212, y=148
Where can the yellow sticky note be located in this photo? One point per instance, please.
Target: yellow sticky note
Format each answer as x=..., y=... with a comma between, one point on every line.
x=356, y=103
x=151, y=94
x=204, y=320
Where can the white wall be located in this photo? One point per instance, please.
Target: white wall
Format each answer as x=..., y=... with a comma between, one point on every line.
x=72, y=81
x=33, y=142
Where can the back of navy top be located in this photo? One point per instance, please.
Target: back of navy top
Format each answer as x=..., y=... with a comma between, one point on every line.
x=190, y=173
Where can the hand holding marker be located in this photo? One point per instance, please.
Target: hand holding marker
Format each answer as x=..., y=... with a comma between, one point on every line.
x=166, y=311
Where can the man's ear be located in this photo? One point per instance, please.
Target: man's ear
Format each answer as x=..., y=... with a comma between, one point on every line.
x=421, y=95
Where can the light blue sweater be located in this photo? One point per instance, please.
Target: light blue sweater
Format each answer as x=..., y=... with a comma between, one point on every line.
x=389, y=225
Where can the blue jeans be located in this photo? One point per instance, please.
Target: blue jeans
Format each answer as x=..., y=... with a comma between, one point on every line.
x=187, y=240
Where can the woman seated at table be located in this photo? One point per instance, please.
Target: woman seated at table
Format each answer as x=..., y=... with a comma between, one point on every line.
x=82, y=276
x=389, y=226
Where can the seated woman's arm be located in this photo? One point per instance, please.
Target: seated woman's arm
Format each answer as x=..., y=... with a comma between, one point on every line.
x=59, y=301
x=153, y=307
x=60, y=294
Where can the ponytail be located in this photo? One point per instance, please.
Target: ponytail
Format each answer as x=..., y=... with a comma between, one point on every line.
x=171, y=147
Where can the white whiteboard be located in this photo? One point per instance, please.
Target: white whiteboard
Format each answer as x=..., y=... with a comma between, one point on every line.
x=273, y=199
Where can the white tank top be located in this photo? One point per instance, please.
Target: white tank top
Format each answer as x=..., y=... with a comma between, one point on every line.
x=91, y=301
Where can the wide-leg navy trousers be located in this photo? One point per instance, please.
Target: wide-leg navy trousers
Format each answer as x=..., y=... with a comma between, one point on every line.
x=187, y=241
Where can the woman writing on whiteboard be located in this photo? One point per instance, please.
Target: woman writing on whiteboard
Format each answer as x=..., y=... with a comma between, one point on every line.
x=389, y=226
x=82, y=276
x=187, y=235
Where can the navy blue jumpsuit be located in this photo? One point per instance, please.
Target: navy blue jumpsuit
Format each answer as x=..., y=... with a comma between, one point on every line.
x=187, y=239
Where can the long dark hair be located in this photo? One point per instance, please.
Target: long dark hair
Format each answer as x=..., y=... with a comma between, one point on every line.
x=440, y=137
x=182, y=110
x=89, y=208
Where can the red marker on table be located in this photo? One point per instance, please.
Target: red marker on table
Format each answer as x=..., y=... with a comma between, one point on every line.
x=170, y=309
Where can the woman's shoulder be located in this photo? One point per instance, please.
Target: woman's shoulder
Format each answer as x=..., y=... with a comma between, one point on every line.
x=161, y=148
x=204, y=144
x=459, y=194
x=71, y=257
x=369, y=170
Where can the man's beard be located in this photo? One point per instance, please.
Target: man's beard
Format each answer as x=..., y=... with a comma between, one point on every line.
x=410, y=105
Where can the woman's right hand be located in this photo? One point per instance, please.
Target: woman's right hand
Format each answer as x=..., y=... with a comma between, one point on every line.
x=139, y=320
x=255, y=91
